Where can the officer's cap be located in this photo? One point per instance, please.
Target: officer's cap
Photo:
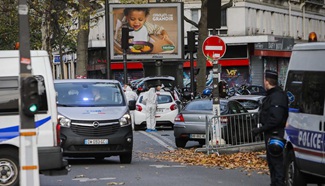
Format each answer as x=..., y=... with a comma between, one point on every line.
x=271, y=74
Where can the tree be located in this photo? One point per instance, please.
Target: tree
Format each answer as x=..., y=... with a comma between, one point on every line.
x=82, y=38
x=9, y=30
x=85, y=8
x=64, y=30
x=203, y=34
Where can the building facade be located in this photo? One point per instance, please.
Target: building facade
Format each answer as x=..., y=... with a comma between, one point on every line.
x=259, y=35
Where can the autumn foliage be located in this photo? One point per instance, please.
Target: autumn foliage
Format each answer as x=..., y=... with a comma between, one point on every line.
x=247, y=161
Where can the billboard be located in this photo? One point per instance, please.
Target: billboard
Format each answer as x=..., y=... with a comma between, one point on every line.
x=158, y=30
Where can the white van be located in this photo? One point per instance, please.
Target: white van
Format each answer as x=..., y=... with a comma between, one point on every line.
x=95, y=119
x=50, y=157
x=305, y=130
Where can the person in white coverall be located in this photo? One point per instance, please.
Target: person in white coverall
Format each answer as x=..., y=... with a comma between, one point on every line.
x=150, y=98
x=130, y=95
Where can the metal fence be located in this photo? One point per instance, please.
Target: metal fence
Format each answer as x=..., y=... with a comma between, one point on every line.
x=230, y=131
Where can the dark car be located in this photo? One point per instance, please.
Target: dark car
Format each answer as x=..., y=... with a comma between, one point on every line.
x=190, y=123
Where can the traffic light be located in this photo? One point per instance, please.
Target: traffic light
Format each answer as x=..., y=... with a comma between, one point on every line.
x=126, y=37
x=222, y=85
x=191, y=41
x=30, y=96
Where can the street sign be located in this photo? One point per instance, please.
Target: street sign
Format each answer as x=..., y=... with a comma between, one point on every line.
x=213, y=48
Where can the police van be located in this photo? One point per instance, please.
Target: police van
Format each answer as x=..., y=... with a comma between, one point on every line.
x=305, y=130
x=50, y=157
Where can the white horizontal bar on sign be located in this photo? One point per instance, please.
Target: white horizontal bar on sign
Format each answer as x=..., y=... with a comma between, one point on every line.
x=213, y=47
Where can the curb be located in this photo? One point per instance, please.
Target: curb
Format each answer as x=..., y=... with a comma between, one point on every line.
x=231, y=150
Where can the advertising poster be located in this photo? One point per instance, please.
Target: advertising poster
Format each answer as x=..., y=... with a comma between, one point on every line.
x=157, y=34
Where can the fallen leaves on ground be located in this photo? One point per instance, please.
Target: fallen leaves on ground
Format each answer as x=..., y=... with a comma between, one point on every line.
x=248, y=161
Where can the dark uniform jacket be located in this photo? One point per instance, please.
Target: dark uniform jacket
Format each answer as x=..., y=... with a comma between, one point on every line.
x=274, y=112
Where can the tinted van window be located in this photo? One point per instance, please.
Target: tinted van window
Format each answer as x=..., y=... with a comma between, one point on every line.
x=9, y=95
x=10, y=92
x=306, y=92
x=89, y=94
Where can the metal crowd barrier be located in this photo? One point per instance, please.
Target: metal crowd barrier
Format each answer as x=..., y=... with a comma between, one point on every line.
x=229, y=131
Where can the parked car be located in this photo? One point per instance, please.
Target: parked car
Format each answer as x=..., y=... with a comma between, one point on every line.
x=190, y=123
x=144, y=85
x=251, y=102
x=167, y=110
x=135, y=82
x=95, y=119
x=252, y=90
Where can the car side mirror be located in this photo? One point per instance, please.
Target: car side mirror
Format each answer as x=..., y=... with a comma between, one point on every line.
x=132, y=104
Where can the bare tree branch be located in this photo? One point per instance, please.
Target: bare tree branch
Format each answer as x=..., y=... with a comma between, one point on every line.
x=191, y=22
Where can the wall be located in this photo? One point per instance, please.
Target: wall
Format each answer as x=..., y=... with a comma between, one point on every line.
x=252, y=18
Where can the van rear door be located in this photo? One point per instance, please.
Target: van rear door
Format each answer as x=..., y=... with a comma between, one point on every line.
x=306, y=90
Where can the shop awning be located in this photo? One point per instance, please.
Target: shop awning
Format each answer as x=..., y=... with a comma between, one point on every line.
x=248, y=39
x=222, y=62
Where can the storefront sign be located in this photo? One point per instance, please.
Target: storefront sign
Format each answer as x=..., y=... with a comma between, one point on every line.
x=282, y=43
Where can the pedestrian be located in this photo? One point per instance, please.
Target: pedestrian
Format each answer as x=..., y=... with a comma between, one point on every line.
x=273, y=117
x=150, y=98
x=96, y=94
x=129, y=93
x=160, y=88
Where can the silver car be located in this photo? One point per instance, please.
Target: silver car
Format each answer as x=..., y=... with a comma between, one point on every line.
x=190, y=123
x=251, y=102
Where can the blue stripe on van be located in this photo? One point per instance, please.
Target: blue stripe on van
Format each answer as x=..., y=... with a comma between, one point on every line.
x=13, y=132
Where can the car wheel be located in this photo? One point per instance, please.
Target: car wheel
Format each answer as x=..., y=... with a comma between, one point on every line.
x=137, y=127
x=126, y=158
x=293, y=176
x=202, y=142
x=181, y=143
x=9, y=165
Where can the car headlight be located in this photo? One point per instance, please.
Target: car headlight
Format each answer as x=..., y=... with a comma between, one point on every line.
x=125, y=120
x=64, y=122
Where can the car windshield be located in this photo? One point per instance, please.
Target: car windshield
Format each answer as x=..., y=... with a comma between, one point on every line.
x=249, y=104
x=89, y=94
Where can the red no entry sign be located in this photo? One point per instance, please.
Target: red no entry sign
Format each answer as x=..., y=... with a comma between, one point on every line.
x=213, y=48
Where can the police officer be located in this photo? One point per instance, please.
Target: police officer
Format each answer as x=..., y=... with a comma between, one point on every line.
x=273, y=117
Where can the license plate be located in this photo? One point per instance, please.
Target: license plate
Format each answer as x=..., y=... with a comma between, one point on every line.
x=96, y=141
x=160, y=110
x=197, y=136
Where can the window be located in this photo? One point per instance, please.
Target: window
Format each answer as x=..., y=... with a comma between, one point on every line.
x=164, y=99
x=9, y=95
x=88, y=94
x=306, y=92
x=199, y=105
x=223, y=17
x=249, y=104
x=236, y=108
x=195, y=16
